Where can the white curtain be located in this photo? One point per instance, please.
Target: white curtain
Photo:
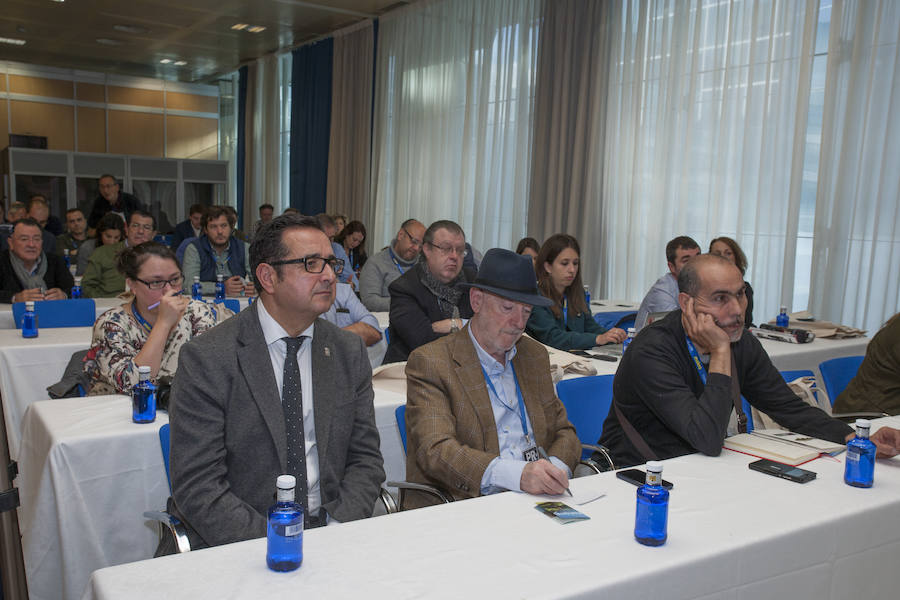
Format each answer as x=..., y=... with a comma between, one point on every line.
x=856, y=251
x=705, y=134
x=453, y=117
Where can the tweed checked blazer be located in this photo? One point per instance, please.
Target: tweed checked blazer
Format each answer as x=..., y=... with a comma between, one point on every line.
x=451, y=432
x=228, y=441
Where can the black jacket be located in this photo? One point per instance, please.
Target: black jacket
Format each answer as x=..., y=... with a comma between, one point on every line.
x=127, y=205
x=57, y=276
x=659, y=390
x=413, y=309
x=183, y=231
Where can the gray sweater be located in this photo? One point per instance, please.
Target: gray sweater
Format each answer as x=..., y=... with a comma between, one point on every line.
x=378, y=273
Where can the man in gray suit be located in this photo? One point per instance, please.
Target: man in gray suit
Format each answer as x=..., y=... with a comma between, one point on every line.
x=245, y=408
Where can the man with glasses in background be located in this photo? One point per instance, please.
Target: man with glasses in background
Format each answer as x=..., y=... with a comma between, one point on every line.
x=425, y=301
x=678, y=388
x=29, y=273
x=383, y=268
x=102, y=278
x=112, y=199
x=252, y=396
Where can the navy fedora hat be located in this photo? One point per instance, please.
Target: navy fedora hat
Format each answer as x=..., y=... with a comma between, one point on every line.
x=510, y=275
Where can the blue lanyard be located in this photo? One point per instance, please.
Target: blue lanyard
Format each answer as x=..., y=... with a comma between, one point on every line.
x=696, y=358
x=143, y=322
x=395, y=261
x=565, y=310
x=521, y=401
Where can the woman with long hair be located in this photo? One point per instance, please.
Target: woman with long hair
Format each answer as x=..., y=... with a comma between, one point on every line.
x=729, y=249
x=353, y=238
x=567, y=324
x=110, y=230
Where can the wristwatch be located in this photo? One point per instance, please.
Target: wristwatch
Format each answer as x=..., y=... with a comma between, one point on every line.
x=454, y=327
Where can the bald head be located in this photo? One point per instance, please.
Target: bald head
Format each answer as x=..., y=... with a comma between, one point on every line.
x=690, y=279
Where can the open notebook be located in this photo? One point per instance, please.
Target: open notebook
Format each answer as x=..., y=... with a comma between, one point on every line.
x=782, y=446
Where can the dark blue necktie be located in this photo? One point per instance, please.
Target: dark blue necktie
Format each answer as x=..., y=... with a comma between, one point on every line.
x=292, y=404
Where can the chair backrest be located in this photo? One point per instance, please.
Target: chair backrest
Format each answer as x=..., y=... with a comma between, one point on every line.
x=164, y=444
x=59, y=313
x=179, y=252
x=837, y=373
x=790, y=376
x=231, y=304
x=587, y=401
x=400, y=413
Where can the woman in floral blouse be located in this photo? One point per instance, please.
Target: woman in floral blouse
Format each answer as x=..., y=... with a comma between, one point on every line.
x=150, y=329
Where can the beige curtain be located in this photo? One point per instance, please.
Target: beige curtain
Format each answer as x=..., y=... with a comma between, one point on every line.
x=351, y=123
x=262, y=171
x=570, y=113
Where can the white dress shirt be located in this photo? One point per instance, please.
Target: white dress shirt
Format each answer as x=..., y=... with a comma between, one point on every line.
x=273, y=333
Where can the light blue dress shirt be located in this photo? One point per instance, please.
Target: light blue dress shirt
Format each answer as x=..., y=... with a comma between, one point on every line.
x=505, y=472
x=348, y=275
x=347, y=309
x=662, y=297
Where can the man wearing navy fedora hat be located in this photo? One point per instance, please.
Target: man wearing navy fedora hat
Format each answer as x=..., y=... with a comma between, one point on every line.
x=482, y=415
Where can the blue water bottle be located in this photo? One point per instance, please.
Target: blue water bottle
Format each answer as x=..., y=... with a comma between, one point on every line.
x=220, y=288
x=782, y=320
x=859, y=466
x=628, y=339
x=197, y=289
x=587, y=295
x=284, y=532
x=29, y=321
x=652, y=514
x=76, y=289
x=143, y=398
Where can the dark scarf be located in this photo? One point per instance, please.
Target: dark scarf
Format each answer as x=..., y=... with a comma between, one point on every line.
x=448, y=296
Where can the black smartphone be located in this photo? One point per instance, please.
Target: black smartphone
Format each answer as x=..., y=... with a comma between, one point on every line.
x=789, y=472
x=638, y=478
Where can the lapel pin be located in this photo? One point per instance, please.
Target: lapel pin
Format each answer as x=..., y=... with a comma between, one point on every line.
x=327, y=352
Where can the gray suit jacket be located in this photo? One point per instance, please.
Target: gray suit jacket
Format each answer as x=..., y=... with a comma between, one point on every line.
x=228, y=440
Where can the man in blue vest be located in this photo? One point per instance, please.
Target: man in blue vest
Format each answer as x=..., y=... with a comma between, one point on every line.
x=217, y=252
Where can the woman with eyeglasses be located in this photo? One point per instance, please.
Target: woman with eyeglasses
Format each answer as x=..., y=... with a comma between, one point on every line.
x=567, y=324
x=425, y=301
x=150, y=329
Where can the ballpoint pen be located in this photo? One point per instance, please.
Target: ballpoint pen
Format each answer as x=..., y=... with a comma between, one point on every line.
x=544, y=455
x=155, y=304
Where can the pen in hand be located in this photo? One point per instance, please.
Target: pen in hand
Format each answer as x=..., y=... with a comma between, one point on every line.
x=155, y=304
x=544, y=455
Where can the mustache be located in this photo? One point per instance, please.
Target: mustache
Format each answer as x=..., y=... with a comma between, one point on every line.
x=728, y=323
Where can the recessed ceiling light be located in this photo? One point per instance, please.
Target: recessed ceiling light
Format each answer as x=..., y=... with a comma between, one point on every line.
x=13, y=41
x=165, y=61
x=239, y=26
x=132, y=29
x=256, y=29
x=180, y=63
x=59, y=0
x=109, y=42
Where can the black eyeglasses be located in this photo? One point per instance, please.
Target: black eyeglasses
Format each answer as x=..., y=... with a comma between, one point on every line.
x=314, y=264
x=175, y=282
x=412, y=240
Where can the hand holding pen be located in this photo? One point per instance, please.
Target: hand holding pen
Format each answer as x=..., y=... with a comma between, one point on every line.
x=170, y=308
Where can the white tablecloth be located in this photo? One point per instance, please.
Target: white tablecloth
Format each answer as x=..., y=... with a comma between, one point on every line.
x=28, y=366
x=733, y=534
x=86, y=475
